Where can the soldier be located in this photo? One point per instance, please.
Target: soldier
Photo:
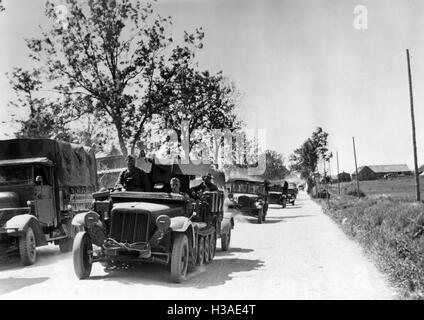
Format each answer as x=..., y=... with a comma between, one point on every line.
x=175, y=187
x=206, y=185
x=133, y=178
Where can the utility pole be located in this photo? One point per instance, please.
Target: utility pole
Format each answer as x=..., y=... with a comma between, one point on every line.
x=338, y=175
x=414, y=142
x=329, y=173
x=356, y=167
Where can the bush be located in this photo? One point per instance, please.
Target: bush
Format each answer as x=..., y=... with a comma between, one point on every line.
x=351, y=190
x=392, y=230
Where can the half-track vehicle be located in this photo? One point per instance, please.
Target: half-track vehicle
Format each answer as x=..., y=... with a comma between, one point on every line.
x=43, y=184
x=250, y=196
x=152, y=227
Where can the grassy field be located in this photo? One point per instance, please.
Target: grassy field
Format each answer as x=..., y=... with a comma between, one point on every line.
x=396, y=188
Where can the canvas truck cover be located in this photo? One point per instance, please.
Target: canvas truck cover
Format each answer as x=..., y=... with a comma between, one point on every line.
x=75, y=164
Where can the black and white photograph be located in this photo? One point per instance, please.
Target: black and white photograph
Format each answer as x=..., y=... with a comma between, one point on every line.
x=211, y=150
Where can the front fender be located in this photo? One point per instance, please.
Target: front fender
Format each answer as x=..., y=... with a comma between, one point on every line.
x=180, y=224
x=20, y=223
x=183, y=224
x=87, y=219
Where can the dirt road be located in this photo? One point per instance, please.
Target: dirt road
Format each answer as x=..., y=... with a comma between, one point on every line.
x=299, y=253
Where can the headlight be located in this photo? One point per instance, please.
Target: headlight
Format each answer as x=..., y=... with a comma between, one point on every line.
x=163, y=222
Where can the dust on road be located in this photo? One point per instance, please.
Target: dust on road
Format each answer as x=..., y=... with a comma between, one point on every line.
x=298, y=253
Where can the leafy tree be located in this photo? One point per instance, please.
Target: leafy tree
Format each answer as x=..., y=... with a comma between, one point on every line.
x=1, y=6
x=305, y=159
x=42, y=121
x=275, y=168
x=107, y=55
x=203, y=99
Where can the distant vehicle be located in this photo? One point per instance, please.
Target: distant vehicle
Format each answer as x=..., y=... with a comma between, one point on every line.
x=43, y=184
x=292, y=193
x=249, y=196
x=276, y=195
x=301, y=187
x=156, y=227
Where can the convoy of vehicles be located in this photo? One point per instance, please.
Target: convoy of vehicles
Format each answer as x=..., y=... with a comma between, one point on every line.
x=159, y=226
x=250, y=196
x=43, y=184
x=48, y=193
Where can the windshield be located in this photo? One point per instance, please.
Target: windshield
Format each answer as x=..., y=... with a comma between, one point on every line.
x=15, y=175
x=241, y=187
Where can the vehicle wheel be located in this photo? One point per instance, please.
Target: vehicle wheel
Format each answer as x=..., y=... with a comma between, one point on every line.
x=212, y=246
x=82, y=255
x=201, y=252
x=179, y=258
x=193, y=257
x=260, y=215
x=207, y=249
x=27, y=247
x=225, y=240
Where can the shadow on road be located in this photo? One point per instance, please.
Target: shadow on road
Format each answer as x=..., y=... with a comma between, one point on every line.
x=218, y=272
x=45, y=256
x=232, y=251
x=290, y=217
x=12, y=284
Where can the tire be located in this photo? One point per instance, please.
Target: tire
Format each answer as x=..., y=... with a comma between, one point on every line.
x=28, y=247
x=82, y=251
x=260, y=215
x=207, y=250
x=225, y=240
x=201, y=252
x=180, y=258
x=212, y=246
x=265, y=209
x=193, y=258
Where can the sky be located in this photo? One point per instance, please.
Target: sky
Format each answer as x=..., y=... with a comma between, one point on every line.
x=299, y=64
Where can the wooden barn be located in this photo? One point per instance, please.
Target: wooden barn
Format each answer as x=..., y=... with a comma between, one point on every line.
x=379, y=171
x=344, y=177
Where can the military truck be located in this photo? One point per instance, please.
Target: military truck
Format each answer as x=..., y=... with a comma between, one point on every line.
x=153, y=227
x=43, y=184
x=292, y=193
x=276, y=195
x=250, y=196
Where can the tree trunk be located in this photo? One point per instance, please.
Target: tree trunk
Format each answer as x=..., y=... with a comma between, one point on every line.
x=121, y=139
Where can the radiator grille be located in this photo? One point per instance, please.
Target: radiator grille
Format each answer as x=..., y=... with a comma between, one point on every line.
x=244, y=201
x=130, y=227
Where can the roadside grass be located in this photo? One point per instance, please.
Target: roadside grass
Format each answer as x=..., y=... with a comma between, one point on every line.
x=391, y=229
